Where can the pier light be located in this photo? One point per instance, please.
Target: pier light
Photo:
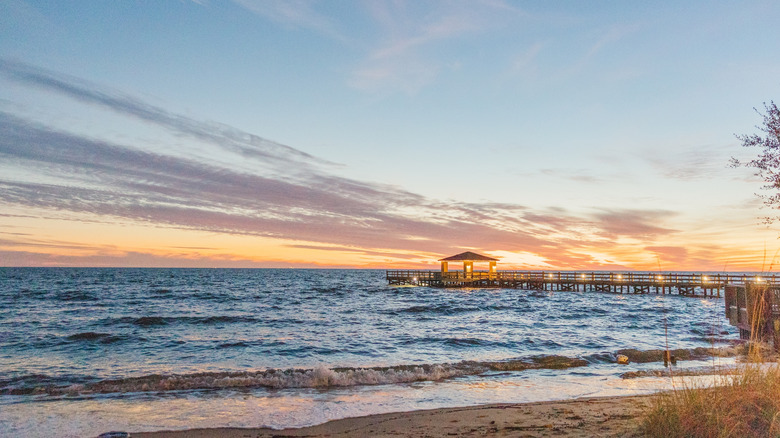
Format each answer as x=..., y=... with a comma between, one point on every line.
x=414, y=279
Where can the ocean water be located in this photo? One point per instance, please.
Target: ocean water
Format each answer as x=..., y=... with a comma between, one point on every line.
x=85, y=351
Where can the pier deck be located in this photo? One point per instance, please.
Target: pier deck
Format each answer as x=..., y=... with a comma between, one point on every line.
x=755, y=309
x=686, y=284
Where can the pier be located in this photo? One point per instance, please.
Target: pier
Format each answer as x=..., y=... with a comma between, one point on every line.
x=686, y=284
x=754, y=308
x=628, y=282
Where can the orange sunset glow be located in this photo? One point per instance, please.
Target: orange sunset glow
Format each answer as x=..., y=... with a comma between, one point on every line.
x=79, y=240
x=388, y=161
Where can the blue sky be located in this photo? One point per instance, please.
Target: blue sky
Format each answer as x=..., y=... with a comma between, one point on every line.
x=554, y=134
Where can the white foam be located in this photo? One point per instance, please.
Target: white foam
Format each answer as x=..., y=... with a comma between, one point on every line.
x=320, y=377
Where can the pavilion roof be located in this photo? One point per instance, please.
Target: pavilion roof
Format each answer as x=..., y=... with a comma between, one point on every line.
x=468, y=256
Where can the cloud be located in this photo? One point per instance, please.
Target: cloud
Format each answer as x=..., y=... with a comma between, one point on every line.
x=406, y=55
x=297, y=13
x=245, y=144
x=408, y=76
x=606, y=39
x=26, y=242
x=525, y=63
x=163, y=178
x=611, y=36
x=348, y=249
x=405, y=52
x=134, y=259
x=670, y=255
x=689, y=164
x=638, y=224
x=107, y=179
x=300, y=200
x=577, y=175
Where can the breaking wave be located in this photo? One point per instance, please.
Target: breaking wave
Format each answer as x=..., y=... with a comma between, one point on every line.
x=322, y=377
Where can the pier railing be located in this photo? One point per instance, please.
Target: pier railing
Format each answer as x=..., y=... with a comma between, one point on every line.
x=682, y=283
x=594, y=276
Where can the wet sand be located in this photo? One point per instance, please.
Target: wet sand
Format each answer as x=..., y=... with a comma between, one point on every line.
x=592, y=417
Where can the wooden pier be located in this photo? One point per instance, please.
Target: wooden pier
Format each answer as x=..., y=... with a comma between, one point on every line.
x=754, y=308
x=685, y=284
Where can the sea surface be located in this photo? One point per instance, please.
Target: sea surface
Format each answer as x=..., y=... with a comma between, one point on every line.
x=88, y=350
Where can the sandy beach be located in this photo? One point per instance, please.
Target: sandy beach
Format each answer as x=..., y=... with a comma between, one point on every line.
x=589, y=417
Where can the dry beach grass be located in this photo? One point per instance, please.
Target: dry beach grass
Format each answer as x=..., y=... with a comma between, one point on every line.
x=742, y=404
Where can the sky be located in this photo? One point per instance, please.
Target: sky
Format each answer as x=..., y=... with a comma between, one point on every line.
x=384, y=134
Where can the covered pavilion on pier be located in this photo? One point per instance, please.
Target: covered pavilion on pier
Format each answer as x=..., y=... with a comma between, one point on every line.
x=468, y=258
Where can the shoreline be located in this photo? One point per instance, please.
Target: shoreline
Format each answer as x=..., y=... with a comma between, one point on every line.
x=582, y=417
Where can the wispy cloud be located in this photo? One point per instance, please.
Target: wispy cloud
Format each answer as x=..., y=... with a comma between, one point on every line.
x=601, y=42
x=577, y=175
x=107, y=179
x=669, y=255
x=297, y=13
x=688, y=164
x=525, y=63
x=308, y=203
x=404, y=57
x=610, y=36
x=638, y=224
x=244, y=143
x=111, y=257
x=405, y=52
